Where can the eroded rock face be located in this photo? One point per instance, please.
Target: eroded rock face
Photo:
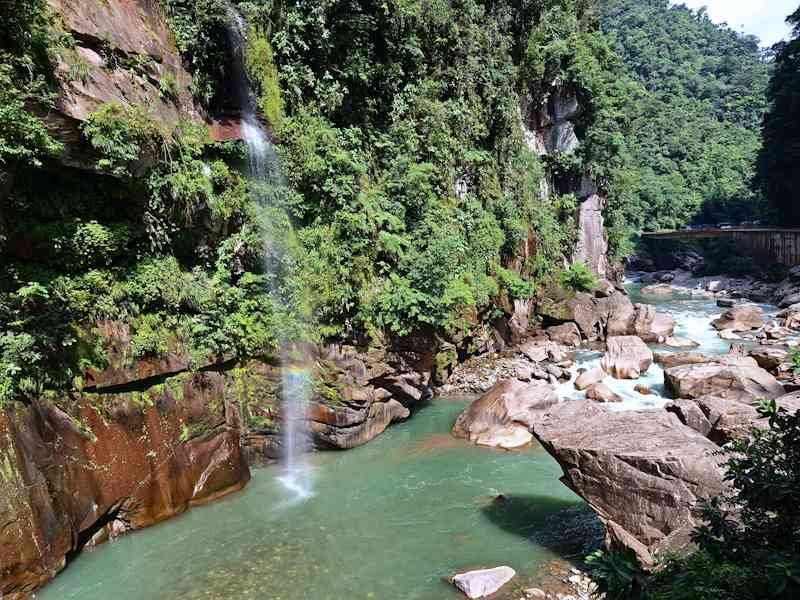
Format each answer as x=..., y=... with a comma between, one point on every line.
x=592, y=247
x=369, y=388
x=129, y=55
x=627, y=357
x=504, y=416
x=95, y=466
x=644, y=473
x=731, y=377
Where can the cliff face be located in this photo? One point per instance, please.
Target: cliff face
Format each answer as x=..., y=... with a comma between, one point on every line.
x=123, y=52
x=549, y=130
x=88, y=467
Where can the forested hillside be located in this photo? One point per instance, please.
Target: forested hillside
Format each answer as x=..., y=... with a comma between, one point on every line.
x=780, y=155
x=409, y=185
x=695, y=124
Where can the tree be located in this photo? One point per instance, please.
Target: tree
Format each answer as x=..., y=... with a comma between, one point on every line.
x=778, y=175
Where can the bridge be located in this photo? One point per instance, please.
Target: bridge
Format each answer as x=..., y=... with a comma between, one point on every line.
x=765, y=244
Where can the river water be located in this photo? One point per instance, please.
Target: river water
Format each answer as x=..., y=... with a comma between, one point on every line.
x=388, y=521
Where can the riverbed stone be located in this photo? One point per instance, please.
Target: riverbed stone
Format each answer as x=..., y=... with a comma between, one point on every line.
x=644, y=472
x=483, y=582
x=679, y=342
x=769, y=357
x=742, y=317
x=627, y=357
x=731, y=377
x=504, y=415
x=676, y=359
x=566, y=334
x=589, y=378
x=600, y=392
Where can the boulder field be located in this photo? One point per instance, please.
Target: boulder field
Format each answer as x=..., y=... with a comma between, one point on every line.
x=645, y=473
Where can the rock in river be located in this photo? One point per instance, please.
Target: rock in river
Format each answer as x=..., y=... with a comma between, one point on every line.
x=732, y=377
x=600, y=392
x=644, y=473
x=503, y=417
x=722, y=420
x=627, y=357
x=484, y=582
x=589, y=378
x=743, y=317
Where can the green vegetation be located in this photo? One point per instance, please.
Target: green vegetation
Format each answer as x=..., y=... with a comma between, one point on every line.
x=777, y=165
x=749, y=548
x=24, y=79
x=579, y=278
x=693, y=116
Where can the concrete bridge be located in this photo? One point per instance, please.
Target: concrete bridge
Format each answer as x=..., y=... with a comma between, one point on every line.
x=765, y=245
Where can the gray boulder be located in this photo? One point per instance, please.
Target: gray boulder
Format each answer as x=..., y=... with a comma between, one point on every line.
x=483, y=582
x=742, y=317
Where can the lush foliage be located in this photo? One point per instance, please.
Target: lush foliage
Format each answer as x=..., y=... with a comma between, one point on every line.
x=777, y=168
x=24, y=42
x=693, y=125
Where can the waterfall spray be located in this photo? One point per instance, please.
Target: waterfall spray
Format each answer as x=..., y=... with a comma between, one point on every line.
x=264, y=169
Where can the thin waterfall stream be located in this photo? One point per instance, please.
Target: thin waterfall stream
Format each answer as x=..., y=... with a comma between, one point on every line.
x=265, y=172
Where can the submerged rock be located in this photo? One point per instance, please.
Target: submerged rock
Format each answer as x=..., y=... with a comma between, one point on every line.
x=627, y=357
x=503, y=417
x=644, y=473
x=484, y=582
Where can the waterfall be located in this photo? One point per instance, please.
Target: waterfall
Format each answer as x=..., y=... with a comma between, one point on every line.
x=265, y=173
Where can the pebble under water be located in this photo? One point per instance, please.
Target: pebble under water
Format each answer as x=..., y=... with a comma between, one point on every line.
x=388, y=520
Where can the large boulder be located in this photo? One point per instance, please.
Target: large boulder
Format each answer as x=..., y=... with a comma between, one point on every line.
x=566, y=334
x=769, y=357
x=650, y=325
x=644, y=473
x=742, y=317
x=731, y=377
x=723, y=420
x=627, y=357
x=504, y=415
x=600, y=392
x=675, y=359
x=588, y=378
x=484, y=582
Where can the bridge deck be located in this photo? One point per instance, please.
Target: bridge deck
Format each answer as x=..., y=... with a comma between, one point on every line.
x=666, y=234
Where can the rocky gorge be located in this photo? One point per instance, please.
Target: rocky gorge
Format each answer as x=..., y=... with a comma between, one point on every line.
x=173, y=271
